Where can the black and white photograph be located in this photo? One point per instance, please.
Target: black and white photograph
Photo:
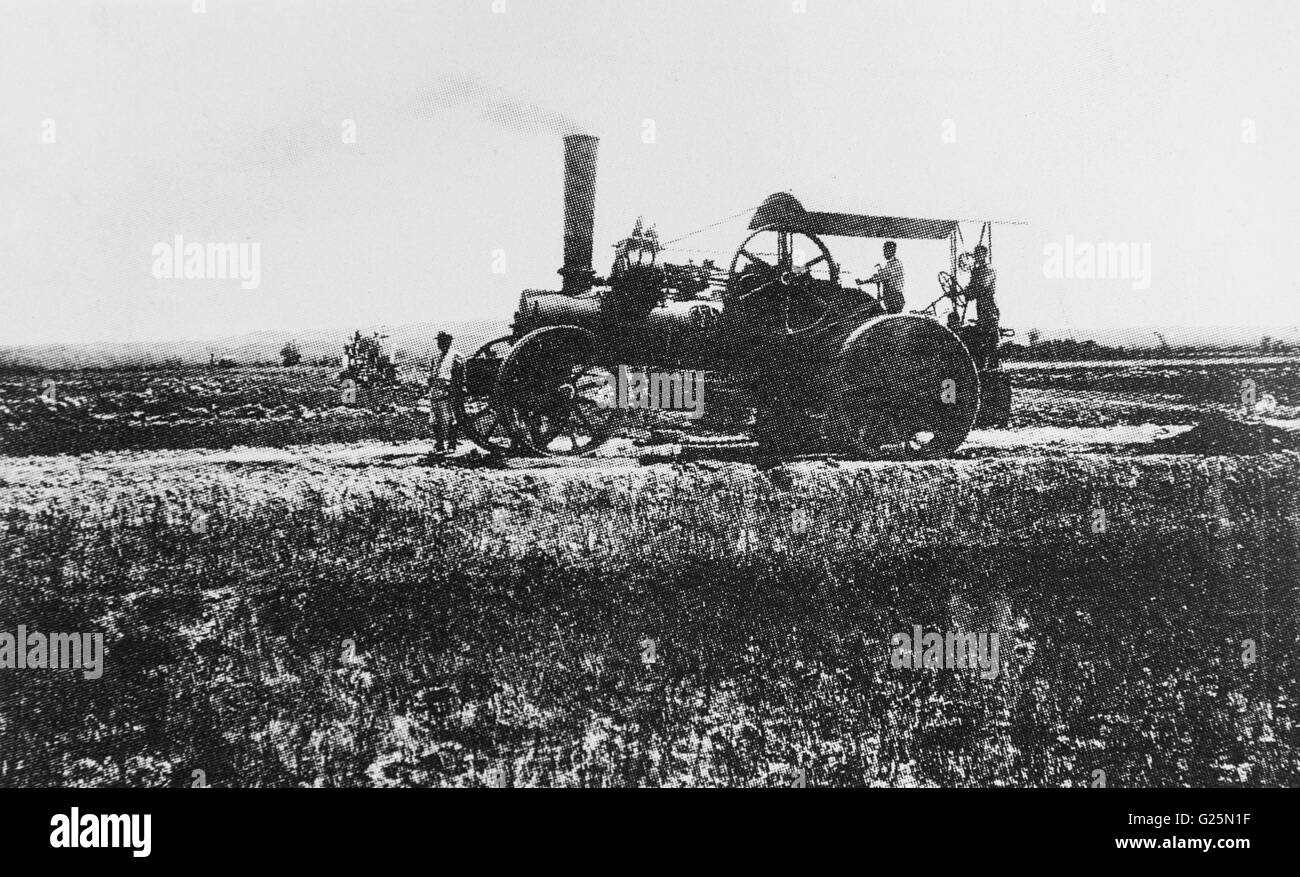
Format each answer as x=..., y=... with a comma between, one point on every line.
x=761, y=394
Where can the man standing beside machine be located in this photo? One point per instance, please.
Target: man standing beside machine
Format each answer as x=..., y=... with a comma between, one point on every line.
x=446, y=376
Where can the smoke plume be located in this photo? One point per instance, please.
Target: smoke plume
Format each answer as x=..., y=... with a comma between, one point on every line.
x=497, y=107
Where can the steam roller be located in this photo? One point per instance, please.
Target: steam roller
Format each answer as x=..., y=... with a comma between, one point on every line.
x=829, y=371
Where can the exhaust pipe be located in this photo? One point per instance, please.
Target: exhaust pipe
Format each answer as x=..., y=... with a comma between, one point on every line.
x=579, y=211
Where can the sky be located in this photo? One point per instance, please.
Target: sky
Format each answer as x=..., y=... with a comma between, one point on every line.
x=1169, y=125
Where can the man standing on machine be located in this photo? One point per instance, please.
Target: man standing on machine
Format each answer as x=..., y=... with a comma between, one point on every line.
x=890, y=279
x=982, y=290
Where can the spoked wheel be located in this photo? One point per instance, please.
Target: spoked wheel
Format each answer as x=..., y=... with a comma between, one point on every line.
x=785, y=267
x=556, y=401
x=951, y=289
x=902, y=386
x=477, y=414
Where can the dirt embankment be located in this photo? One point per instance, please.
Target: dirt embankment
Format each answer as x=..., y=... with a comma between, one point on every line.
x=707, y=624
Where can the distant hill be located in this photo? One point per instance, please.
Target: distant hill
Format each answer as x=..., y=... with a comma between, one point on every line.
x=416, y=339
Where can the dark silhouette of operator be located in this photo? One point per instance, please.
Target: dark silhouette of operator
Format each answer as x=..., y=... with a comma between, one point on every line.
x=890, y=278
x=982, y=290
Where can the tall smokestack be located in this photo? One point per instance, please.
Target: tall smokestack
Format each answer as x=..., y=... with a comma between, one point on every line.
x=579, y=210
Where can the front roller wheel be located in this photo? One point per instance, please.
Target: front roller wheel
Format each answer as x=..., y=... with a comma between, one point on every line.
x=477, y=414
x=901, y=386
x=558, y=402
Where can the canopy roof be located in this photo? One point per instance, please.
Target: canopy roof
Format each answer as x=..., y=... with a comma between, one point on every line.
x=785, y=212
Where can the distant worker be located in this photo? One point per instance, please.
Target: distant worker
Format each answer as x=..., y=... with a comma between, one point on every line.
x=446, y=374
x=890, y=279
x=982, y=290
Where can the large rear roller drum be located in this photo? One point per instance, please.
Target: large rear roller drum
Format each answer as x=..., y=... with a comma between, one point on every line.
x=901, y=386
